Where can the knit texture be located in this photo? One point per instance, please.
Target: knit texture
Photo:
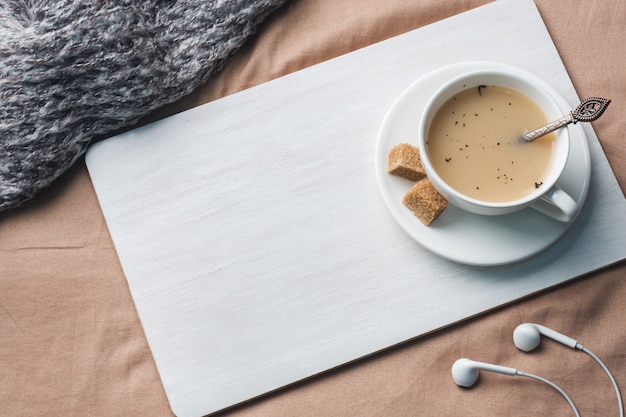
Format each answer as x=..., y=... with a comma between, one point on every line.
x=73, y=70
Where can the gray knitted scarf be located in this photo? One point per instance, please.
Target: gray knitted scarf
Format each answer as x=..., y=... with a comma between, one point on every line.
x=73, y=70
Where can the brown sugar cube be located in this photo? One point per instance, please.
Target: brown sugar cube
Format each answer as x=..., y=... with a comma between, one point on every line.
x=425, y=201
x=404, y=161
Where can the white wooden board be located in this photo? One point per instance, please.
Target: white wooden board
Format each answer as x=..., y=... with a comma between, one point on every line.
x=256, y=244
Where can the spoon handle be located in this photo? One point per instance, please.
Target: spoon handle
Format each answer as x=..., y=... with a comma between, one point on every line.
x=544, y=130
x=589, y=110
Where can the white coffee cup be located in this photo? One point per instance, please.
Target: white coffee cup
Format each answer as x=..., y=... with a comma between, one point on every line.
x=548, y=198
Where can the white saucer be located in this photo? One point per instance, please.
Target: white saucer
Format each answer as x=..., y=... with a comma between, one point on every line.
x=456, y=234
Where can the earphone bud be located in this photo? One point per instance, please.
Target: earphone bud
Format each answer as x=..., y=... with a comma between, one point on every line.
x=527, y=337
x=465, y=372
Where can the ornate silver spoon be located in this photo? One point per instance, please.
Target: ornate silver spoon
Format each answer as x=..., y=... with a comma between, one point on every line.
x=587, y=111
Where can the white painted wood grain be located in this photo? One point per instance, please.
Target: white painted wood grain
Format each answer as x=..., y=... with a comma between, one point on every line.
x=255, y=242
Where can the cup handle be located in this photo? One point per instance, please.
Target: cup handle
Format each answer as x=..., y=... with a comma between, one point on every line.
x=557, y=204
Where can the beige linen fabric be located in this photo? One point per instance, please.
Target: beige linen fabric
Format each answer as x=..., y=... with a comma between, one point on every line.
x=71, y=343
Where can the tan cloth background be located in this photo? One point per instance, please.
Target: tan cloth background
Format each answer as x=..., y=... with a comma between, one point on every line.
x=71, y=343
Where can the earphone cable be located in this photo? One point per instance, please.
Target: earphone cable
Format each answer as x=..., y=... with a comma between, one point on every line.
x=553, y=385
x=610, y=375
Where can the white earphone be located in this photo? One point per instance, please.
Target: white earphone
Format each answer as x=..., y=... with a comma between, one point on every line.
x=526, y=337
x=465, y=373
